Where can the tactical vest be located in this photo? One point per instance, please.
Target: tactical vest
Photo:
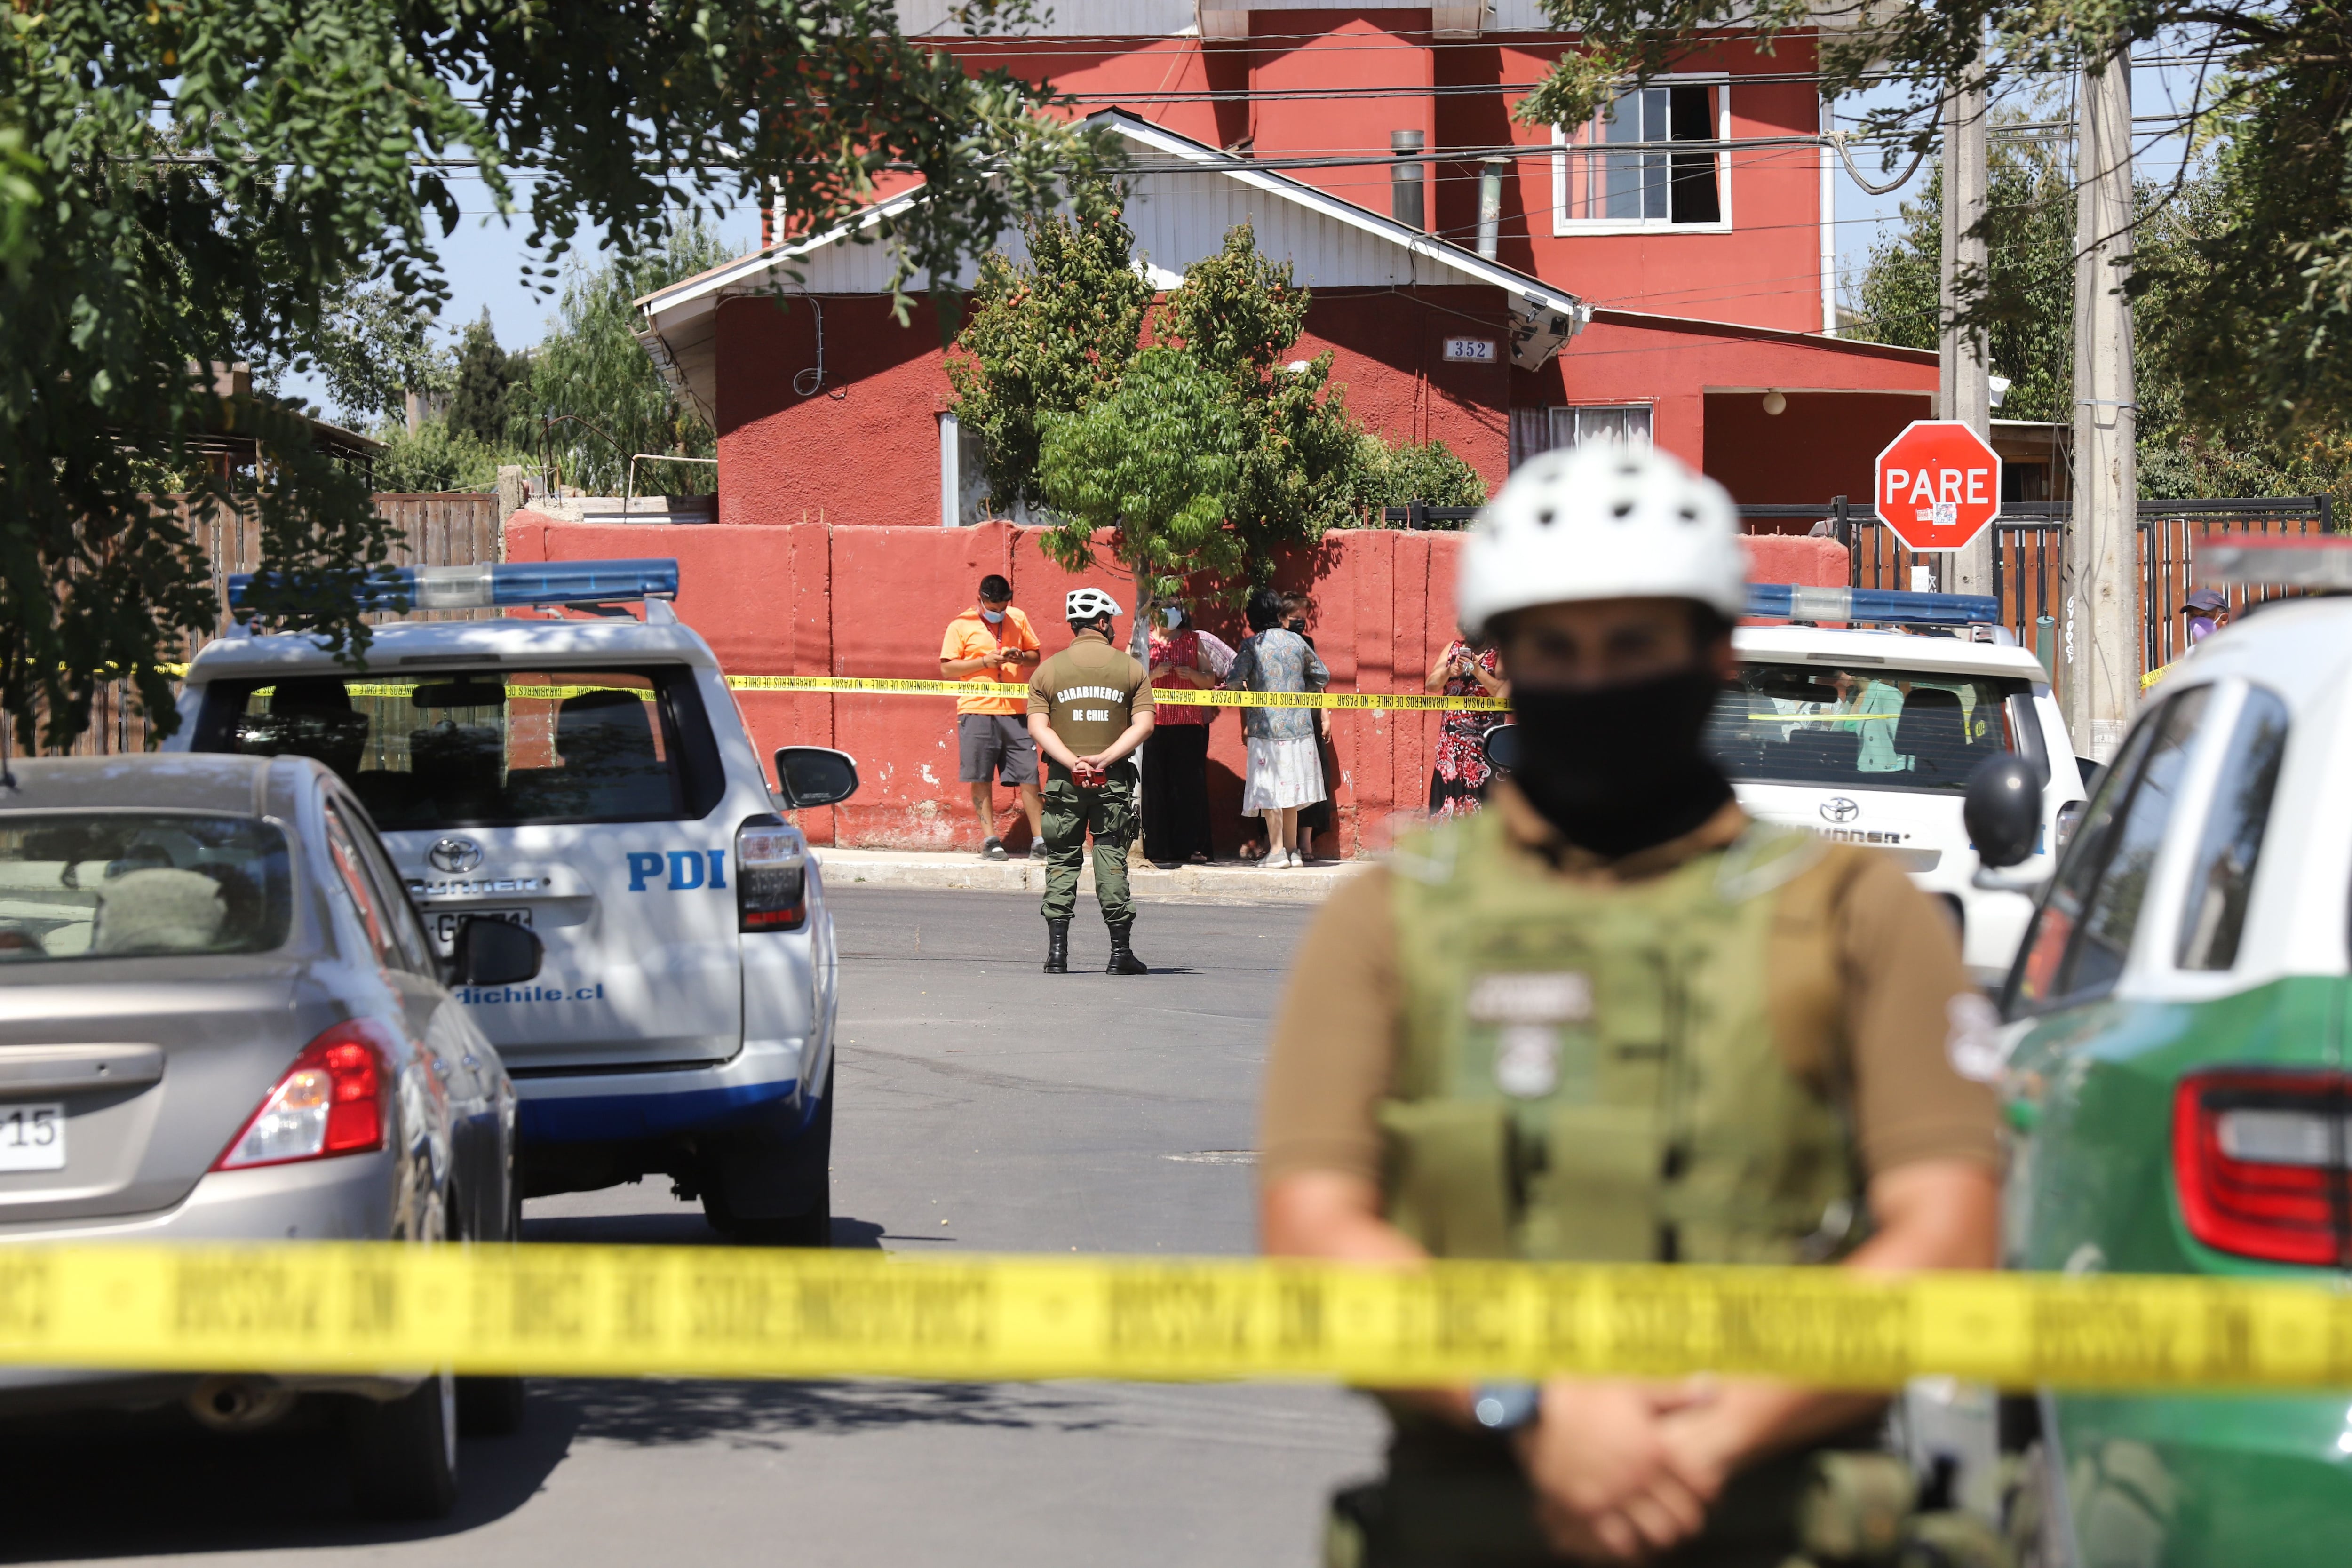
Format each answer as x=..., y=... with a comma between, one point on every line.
x=1589, y=1072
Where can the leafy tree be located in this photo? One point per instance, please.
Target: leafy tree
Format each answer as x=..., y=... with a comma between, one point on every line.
x=483, y=401
x=589, y=365
x=2030, y=246
x=436, y=457
x=2264, y=303
x=198, y=179
x=1046, y=335
x=1158, y=459
x=374, y=348
x=1240, y=314
x=1429, y=472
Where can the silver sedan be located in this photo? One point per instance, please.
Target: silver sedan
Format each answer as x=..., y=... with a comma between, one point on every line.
x=221, y=1020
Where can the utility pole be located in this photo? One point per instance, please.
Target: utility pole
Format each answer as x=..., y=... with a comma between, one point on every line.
x=1964, y=371
x=2101, y=635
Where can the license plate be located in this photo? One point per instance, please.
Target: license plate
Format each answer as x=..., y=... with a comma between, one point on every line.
x=445, y=927
x=33, y=1137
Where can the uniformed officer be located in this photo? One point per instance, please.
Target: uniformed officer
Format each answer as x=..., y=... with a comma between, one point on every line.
x=1615, y=1020
x=1090, y=706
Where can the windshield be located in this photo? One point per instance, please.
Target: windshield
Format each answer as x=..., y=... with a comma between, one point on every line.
x=1863, y=727
x=482, y=748
x=119, y=885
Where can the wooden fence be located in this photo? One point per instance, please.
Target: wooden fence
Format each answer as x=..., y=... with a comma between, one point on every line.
x=457, y=528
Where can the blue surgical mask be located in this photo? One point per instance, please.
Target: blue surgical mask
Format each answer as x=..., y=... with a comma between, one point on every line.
x=1173, y=616
x=991, y=616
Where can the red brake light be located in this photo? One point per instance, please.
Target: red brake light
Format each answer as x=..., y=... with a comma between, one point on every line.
x=2258, y=1158
x=332, y=1101
x=770, y=876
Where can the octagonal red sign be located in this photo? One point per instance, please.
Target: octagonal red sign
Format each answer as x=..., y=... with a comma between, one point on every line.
x=1939, y=485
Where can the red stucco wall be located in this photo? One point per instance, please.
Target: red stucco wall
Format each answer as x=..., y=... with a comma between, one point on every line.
x=812, y=599
x=1836, y=441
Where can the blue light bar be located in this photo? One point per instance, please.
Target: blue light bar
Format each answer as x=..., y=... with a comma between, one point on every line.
x=1882, y=607
x=512, y=586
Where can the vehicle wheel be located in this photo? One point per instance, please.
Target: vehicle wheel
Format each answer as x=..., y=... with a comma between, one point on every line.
x=489, y=1406
x=810, y=1157
x=405, y=1453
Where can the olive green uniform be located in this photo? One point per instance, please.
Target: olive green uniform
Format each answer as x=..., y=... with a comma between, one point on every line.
x=1090, y=692
x=1698, y=1055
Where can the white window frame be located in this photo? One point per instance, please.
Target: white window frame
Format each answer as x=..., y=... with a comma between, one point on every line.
x=1561, y=224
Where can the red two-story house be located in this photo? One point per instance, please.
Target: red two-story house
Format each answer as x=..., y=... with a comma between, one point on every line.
x=1501, y=286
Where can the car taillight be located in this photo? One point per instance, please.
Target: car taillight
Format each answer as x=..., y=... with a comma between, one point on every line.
x=332, y=1101
x=2259, y=1161
x=770, y=876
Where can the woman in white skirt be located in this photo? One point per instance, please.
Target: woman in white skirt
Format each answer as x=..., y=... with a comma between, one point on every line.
x=1284, y=772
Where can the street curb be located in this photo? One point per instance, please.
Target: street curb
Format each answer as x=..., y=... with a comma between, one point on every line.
x=1229, y=884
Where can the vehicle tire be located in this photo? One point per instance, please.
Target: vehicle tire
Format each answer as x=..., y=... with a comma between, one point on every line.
x=404, y=1453
x=489, y=1406
x=810, y=1159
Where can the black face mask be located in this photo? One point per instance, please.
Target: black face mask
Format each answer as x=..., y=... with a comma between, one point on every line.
x=1620, y=768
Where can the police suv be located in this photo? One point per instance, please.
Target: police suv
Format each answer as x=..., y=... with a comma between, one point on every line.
x=592, y=779
x=1869, y=736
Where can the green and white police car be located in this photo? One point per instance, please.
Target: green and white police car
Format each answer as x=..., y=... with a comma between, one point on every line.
x=2172, y=1060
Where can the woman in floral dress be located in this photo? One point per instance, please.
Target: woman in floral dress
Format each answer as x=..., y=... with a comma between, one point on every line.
x=1458, y=784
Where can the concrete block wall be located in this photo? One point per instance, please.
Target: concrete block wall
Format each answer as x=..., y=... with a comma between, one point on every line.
x=814, y=599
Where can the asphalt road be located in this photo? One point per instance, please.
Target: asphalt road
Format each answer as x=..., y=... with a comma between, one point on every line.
x=984, y=1106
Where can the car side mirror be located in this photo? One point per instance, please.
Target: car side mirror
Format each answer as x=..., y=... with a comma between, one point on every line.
x=813, y=775
x=491, y=951
x=2002, y=811
x=1502, y=747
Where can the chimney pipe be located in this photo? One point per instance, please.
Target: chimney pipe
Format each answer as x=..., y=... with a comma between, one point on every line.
x=1490, y=203
x=1405, y=181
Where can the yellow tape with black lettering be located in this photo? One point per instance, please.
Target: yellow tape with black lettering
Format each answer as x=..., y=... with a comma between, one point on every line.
x=681, y=1312
x=1172, y=696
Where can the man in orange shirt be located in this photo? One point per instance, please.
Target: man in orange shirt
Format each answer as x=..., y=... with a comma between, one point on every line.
x=993, y=642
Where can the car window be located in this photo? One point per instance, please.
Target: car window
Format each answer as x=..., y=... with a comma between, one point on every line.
x=392, y=894
x=2082, y=933
x=1867, y=727
x=2214, y=915
x=107, y=884
x=488, y=747
x=351, y=871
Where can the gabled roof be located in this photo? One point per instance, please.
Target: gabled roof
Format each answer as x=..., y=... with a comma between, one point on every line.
x=1184, y=196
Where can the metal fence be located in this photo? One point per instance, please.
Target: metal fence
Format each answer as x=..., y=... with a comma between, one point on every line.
x=454, y=528
x=2028, y=555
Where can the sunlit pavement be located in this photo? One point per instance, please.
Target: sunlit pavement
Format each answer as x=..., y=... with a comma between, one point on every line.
x=984, y=1106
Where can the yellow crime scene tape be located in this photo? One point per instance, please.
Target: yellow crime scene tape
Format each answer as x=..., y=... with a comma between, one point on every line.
x=1170, y=696
x=738, y=1313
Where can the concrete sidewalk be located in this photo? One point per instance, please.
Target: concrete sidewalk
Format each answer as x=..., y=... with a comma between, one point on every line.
x=1227, y=882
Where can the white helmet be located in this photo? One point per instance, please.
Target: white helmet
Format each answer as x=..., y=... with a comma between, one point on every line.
x=1603, y=521
x=1085, y=604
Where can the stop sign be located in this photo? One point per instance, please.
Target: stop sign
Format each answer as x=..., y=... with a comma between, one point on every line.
x=1938, y=484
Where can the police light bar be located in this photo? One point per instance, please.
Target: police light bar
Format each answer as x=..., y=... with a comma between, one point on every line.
x=2274, y=561
x=1886, y=606
x=512, y=586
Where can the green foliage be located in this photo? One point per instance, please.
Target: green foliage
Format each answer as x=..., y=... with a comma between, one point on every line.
x=1158, y=458
x=591, y=365
x=2263, y=302
x=200, y=182
x=1046, y=337
x=1238, y=315
x=483, y=400
x=2191, y=444
x=374, y=348
x=2027, y=295
x=438, y=456
x=1429, y=472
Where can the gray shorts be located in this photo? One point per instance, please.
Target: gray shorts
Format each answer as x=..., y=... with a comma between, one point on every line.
x=995, y=746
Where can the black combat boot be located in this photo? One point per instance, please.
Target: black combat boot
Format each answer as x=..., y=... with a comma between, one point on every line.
x=1058, y=947
x=1122, y=957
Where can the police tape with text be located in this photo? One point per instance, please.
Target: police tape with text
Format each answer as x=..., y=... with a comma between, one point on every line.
x=687, y=1312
